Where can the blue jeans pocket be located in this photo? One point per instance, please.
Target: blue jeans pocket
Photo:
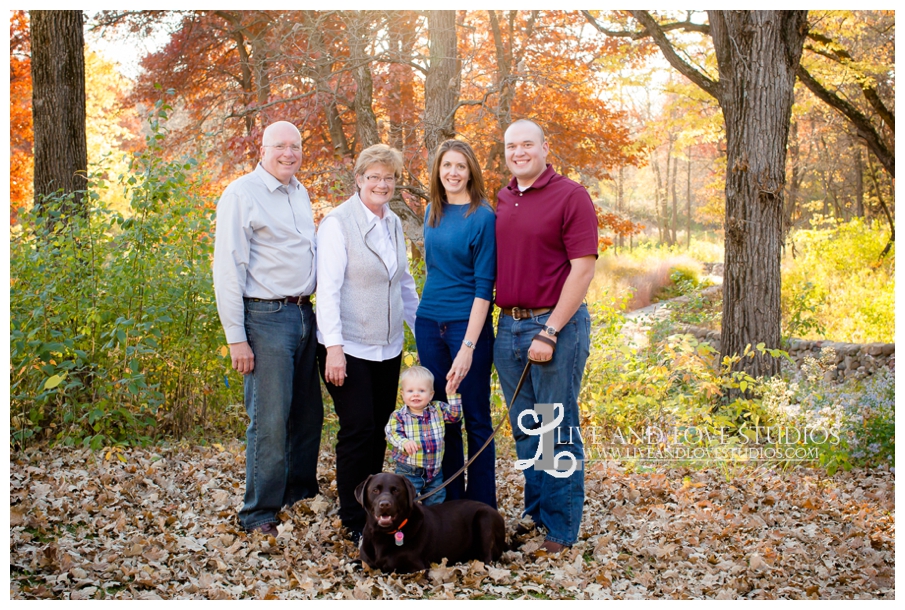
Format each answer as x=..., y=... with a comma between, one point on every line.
x=257, y=306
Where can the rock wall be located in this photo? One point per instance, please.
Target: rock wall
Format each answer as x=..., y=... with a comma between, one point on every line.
x=853, y=360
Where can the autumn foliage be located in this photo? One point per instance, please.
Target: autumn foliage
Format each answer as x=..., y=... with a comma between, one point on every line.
x=21, y=135
x=234, y=72
x=160, y=524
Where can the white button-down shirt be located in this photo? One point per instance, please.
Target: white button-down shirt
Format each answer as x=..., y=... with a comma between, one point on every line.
x=331, y=269
x=264, y=247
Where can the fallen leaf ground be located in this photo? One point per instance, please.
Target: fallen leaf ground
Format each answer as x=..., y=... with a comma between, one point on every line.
x=160, y=523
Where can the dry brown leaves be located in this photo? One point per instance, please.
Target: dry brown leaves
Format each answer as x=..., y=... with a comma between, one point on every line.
x=152, y=524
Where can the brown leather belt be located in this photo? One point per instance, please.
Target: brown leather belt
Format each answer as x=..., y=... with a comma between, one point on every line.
x=523, y=313
x=302, y=300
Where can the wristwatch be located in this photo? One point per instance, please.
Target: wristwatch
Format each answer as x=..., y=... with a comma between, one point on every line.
x=551, y=331
x=468, y=344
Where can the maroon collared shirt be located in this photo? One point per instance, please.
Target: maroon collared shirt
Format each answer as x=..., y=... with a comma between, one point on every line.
x=538, y=232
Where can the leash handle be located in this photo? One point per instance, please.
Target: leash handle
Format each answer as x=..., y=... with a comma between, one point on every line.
x=518, y=389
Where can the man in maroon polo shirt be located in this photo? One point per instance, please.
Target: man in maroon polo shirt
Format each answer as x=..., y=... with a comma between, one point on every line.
x=546, y=233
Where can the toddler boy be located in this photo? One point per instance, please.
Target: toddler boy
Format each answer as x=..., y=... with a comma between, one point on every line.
x=416, y=432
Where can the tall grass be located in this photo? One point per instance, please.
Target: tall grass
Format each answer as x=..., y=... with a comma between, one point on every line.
x=634, y=278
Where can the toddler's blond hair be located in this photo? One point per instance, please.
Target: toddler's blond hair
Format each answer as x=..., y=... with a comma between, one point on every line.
x=417, y=373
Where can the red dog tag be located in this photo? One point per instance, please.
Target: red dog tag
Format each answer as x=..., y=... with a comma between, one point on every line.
x=399, y=536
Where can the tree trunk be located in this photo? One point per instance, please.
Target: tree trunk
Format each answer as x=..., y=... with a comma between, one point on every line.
x=58, y=106
x=758, y=53
x=664, y=197
x=322, y=73
x=688, y=200
x=509, y=55
x=620, y=201
x=882, y=203
x=859, y=181
x=358, y=26
x=661, y=222
x=402, y=35
x=674, y=220
x=443, y=83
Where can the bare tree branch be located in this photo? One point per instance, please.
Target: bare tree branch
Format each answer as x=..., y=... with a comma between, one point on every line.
x=834, y=52
x=859, y=121
x=654, y=30
x=686, y=26
x=285, y=100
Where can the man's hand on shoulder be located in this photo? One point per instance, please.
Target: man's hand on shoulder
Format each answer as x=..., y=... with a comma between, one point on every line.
x=242, y=356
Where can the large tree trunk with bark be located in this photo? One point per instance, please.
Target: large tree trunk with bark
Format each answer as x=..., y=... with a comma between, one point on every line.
x=358, y=26
x=758, y=54
x=58, y=106
x=443, y=82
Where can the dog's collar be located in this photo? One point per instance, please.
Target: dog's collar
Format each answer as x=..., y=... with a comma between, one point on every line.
x=401, y=525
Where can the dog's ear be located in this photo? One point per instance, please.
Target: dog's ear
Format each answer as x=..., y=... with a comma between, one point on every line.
x=410, y=492
x=360, y=491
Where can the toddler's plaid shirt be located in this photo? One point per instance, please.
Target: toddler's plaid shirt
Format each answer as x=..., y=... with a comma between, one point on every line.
x=427, y=430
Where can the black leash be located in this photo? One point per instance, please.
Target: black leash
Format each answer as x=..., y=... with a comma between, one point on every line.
x=518, y=389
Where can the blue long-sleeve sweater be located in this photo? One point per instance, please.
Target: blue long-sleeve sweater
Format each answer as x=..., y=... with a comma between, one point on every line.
x=460, y=257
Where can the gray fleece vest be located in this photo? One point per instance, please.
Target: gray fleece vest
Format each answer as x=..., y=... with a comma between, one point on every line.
x=370, y=307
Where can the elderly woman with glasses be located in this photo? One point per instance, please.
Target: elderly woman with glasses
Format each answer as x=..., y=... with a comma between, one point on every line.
x=364, y=293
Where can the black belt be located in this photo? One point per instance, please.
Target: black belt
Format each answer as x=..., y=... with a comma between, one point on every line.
x=302, y=300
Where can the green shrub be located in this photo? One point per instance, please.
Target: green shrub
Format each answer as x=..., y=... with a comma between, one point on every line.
x=677, y=384
x=114, y=331
x=835, y=286
x=684, y=278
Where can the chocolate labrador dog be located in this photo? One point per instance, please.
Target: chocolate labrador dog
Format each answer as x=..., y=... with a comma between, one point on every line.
x=401, y=535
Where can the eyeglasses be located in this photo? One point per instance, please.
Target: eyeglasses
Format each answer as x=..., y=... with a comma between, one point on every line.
x=284, y=147
x=375, y=179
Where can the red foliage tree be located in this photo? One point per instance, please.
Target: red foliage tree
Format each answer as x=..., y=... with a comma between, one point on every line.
x=349, y=79
x=21, y=133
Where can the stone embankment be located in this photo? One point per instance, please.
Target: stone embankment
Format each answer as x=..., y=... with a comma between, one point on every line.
x=852, y=360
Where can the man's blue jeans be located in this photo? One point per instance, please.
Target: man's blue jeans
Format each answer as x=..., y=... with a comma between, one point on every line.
x=554, y=503
x=422, y=486
x=438, y=343
x=283, y=402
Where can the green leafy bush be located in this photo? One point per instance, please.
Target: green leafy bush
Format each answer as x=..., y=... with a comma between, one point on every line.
x=684, y=278
x=835, y=285
x=677, y=384
x=114, y=332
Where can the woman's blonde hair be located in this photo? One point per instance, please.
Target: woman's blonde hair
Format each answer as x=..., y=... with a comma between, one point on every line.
x=379, y=154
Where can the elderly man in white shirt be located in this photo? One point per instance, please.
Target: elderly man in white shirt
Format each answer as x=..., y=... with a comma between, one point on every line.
x=264, y=274
x=364, y=294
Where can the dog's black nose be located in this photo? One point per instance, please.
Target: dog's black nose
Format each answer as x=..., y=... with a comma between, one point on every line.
x=384, y=503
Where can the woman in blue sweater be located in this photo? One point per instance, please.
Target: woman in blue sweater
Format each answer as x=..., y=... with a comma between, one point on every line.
x=453, y=329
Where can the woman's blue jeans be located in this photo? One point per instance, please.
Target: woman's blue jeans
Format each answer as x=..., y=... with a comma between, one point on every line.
x=554, y=503
x=285, y=410
x=438, y=343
